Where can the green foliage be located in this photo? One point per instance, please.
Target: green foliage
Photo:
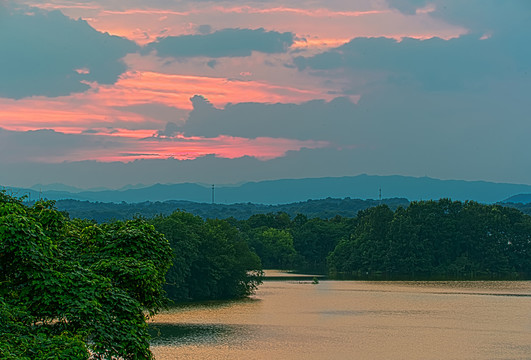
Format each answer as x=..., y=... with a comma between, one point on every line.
x=211, y=259
x=70, y=287
x=280, y=220
x=274, y=247
x=301, y=243
x=314, y=239
x=437, y=239
x=19, y=340
x=322, y=208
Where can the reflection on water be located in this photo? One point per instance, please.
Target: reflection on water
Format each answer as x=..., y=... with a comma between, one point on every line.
x=186, y=334
x=354, y=320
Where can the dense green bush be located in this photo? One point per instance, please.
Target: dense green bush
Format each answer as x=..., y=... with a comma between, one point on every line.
x=211, y=259
x=70, y=288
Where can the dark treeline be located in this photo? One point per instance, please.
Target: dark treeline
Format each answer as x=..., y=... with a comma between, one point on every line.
x=525, y=208
x=211, y=259
x=422, y=240
x=431, y=240
x=426, y=240
x=298, y=243
x=323, y=208
x=74, y=287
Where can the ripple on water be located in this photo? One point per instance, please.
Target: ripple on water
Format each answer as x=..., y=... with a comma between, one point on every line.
x=186, y=334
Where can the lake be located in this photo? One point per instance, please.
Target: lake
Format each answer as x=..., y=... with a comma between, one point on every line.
x=295, y=319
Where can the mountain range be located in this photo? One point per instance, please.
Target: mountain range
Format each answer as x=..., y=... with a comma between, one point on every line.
x=292, y=190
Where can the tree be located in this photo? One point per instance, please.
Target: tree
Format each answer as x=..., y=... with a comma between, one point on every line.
x=314, y=239
x=438, y=239
x=274, y=247
x=364, y=252
x=70, y=287
x=212, y=260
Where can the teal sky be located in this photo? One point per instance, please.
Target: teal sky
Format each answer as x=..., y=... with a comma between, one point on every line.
x=107, y=93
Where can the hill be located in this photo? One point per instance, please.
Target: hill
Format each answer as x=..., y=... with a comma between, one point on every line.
x=296, y=190
x=519, y=199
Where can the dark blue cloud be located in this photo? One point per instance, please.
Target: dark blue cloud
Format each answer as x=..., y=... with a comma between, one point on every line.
x=475, y=15
x=21, y=146
x=315, y=119
x=434, y=64
x=204, y=29
x=223, y=43
x=41, y=51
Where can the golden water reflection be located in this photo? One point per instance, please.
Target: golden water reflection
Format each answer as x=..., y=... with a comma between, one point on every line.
x=355, y=320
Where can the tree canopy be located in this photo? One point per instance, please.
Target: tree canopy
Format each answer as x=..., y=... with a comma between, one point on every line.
x=74, y=289
x=437, y=239
x=211, y=259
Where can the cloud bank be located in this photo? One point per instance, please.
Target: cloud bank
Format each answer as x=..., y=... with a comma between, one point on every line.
x=230, y=91
x=223, y=43
x=47, y=53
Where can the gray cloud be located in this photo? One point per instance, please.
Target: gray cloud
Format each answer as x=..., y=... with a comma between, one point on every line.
x=435, y=64
x=47, y=145
x=170, y=130
x=476, y=15
x=492, y=51
x=204, y=29
x=390, y=160
x=407, y=118
x=155, y=111
x=208, y=169
x=395, y=130
x=315, y=119
x=223, y=43
x=41, y=52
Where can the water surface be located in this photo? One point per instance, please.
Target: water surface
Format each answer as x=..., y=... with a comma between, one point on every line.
x=355, y=320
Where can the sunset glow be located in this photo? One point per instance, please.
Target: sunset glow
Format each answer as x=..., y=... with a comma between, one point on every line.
x=106, y=110
x=387, y=87
x=98, y=106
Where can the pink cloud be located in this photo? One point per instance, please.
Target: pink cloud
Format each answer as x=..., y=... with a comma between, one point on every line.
x=99, y=106
x=318, y=20
x=127, y=145
x=101, y=113
x=222, y=146
x=71, y=5
x=69, y=114
x=103, y=109
x=158, y=12
x=319, y=12
x=83, y=71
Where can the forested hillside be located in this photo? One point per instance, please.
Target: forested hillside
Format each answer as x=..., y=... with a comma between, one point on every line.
x=525, y=208
x=444, y=239
x=363, y=238
x=324, y=208
x=426, y=240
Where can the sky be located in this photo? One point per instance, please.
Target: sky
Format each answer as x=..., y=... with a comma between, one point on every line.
x=107, y=93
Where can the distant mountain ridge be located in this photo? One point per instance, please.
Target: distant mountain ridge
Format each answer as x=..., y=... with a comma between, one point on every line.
x=520, y=198
x=296, y=190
